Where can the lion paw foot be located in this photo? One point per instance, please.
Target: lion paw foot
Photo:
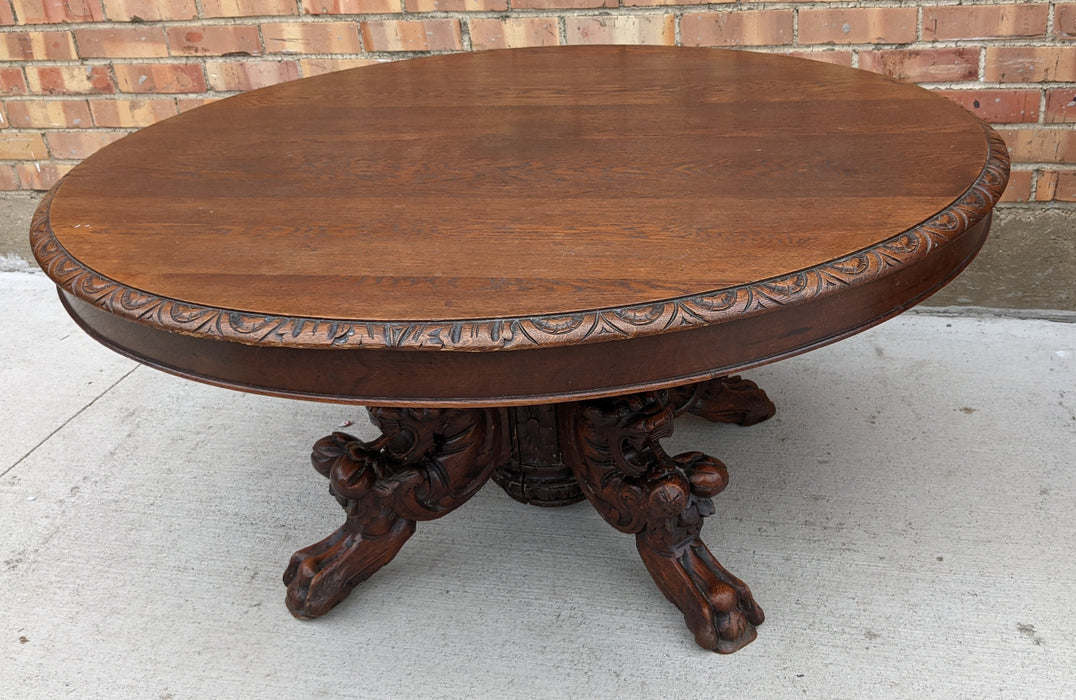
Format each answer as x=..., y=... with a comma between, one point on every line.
x=718, y=607
x=323, y=574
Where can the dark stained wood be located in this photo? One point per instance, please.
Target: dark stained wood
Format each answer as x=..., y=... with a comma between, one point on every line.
x=724, y=400
x=508, y=186
x=425, y=464
x=537, y=473
x=772, y=331
x=530, y=261
x=614, y=448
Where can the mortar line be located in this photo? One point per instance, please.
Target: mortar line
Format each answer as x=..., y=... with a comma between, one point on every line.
x=78, y=413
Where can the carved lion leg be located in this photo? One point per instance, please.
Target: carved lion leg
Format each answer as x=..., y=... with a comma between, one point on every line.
x=613, y=446
x=426, y=463
x=724, y=400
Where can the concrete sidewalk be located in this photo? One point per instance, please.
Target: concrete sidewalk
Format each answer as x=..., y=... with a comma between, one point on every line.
x=906, y=520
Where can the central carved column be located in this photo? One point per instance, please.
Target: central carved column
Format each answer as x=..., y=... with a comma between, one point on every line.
x=536, y=474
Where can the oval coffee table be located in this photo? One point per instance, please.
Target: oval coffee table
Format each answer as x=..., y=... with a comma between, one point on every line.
x=527, y=263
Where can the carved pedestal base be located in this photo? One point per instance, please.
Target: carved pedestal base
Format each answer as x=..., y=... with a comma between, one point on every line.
x=614, y=448
x=536, y=474
x=428, y=462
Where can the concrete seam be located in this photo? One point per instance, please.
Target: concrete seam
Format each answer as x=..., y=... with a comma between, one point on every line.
x=1053, y=315
x=77, y=413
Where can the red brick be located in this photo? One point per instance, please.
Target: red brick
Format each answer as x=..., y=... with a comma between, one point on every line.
x=1057, y=186
x=22, y=145
x=664, y=3
x=214, y=40
x=924, y=66
x=121, y=42
x=837, y=58
x=64, y=114
x=1025, y=64
x=186, y=104
x=70, y=80
x=311, y=37
x=229, y=76
x=7, y=18
x=9, y=179
x=998, y=106
x=350, y=7
x=412, y=35
x=248, y=8
x=1065, y=187
x=745, y=28
x=37, y=46
x=76, y=145
x=57, y=11
x=149, y=10
x=513, y=32
x=160, y=77
x=1039, y=145
x=1046, y=185
x=12, y=81
x=455, y=5
x=1065, y=21
x=41, y=176
x=984, y=21
x=1060, y=106
x=1019, y=187
x=560, y=4
x=320, y=66
x=622, y=29
x=858, y=25
x=127, y=113
x=3, y=117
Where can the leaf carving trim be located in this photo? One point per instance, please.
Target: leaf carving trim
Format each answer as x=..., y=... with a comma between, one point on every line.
x=522, y=333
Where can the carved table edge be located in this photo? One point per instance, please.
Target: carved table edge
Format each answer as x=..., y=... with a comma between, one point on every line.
x=484, y=335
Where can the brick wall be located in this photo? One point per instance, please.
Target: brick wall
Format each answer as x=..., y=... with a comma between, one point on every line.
x=78, y=74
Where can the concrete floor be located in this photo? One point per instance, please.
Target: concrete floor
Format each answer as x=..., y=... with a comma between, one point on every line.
x=16, y=209
x=906, y=521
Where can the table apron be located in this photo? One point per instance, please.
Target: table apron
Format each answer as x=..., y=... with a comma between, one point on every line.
x=388, y=377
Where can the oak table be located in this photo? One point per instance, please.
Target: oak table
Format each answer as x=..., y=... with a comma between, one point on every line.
x=526, y=263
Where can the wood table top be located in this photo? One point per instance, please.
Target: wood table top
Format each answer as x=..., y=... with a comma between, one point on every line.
x=479, y=228
x=508, y=198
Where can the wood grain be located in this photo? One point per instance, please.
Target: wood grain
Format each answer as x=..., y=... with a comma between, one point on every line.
x=507, y=186
x=614, y=448
x=770, y=331
x=818, y=201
